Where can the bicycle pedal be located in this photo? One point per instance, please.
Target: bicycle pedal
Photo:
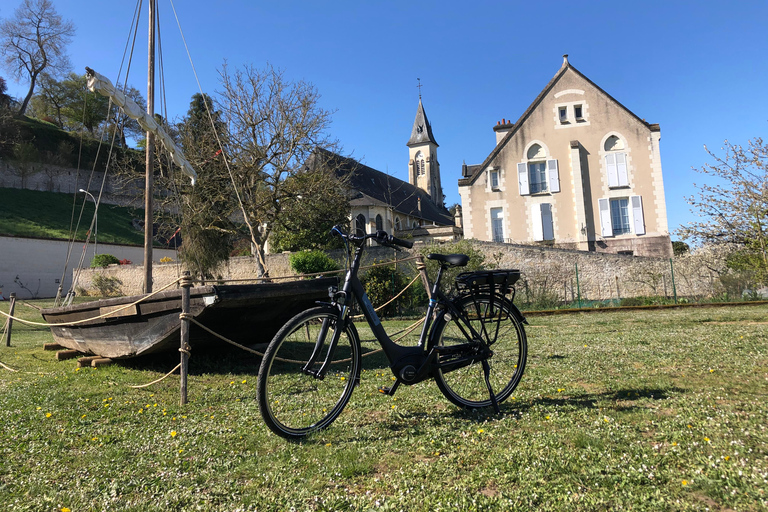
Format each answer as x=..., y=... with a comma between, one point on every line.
x=386, y=390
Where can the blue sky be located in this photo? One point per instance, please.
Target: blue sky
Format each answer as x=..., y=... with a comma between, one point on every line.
x=699, y=69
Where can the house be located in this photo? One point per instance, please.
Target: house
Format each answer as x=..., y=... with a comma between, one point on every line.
x=412, y=209
x=577, y=170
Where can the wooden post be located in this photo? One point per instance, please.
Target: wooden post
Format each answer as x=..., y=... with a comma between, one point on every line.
x=186, y=283
x=10, y=319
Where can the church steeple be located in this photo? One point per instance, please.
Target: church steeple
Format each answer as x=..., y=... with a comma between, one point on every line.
x=424, y=169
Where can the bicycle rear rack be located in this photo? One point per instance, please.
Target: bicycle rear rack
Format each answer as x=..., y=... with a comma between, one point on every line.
x=488, y=281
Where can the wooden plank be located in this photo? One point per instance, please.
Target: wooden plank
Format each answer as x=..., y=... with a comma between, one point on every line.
x=102, y=361
x=52, y=346
x=86, y=361
x=118, y=311
x=61, y=355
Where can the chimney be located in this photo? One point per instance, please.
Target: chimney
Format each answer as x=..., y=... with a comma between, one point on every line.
x=502, y=128
x=457, y=219
x=418, y=202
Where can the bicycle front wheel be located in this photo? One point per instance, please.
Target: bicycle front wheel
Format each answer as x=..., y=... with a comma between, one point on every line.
x=293, y=401
x=495, y=321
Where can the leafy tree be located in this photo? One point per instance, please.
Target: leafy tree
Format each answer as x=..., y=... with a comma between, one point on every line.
x=82, y=108
x=734, y=207
x=274, y=126
x=5, y=99
x=49, y=101
x=33, y=41
x=679, y=248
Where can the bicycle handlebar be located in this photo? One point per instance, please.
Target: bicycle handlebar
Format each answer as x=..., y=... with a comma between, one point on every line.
x=381, y=237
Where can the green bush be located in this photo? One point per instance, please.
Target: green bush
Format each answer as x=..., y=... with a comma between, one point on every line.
x=103, y=260
x=476, y=261
x=312, y=262
x=384, y=282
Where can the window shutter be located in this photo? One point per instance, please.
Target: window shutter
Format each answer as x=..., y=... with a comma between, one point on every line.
x=636, y=203
x=547, y=227
x=522, y=178
x=610, y=165
x=553, y=176
x=538, y=232
x=621, y=169
x=606, y=229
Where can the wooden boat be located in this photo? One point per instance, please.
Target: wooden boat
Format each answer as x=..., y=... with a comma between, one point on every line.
x=246, y=313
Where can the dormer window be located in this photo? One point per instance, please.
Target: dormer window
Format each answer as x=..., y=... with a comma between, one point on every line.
x=578, y=113
x=563, y=113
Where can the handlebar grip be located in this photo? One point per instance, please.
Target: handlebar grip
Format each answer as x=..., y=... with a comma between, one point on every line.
x=402, y=243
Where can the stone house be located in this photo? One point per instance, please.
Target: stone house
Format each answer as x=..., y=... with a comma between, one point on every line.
x=577, y=170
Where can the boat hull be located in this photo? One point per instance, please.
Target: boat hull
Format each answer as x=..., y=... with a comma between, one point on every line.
x=248, y=314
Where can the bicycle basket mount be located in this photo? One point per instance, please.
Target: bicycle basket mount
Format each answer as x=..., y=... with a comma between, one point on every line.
x=488, y=281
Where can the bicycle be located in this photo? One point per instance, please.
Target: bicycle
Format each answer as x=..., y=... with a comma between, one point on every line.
x=472, y=344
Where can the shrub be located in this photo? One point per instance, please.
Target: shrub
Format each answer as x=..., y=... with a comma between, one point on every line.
x=107, y=286
x=312, y=262
x=125, y=261
x=384, y=282
x=476, y=261
x=103, y=260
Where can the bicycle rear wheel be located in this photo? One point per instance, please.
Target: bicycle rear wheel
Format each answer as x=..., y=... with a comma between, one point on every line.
x=292, y=402
x=500, y=328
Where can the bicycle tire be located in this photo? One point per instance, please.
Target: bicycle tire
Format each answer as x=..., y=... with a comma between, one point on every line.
x=466, y=386
x=293, y=403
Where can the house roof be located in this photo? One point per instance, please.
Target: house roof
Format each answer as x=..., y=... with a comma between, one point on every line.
x=421, y=132
x=375, y=188
x=477, y=169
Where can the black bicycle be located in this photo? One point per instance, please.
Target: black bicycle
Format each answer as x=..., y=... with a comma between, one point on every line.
x=473, y=344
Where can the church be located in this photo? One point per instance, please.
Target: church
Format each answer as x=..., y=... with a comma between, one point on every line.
x=412, y=209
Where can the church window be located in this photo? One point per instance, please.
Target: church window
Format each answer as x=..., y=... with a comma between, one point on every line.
x=360, y=225
x=421, y=165
x=379, y=223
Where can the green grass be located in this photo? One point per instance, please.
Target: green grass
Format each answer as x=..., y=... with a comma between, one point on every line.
x=31, y=213
x=648, y=410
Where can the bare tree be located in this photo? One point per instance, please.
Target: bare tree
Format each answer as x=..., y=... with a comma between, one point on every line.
x=273, y=127
x=734, y=206
x=33, y=41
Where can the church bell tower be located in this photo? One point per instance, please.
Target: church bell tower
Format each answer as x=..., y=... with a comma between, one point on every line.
x=423, y=167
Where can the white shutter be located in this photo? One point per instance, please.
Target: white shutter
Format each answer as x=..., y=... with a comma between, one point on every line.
x=538, y=232
x=553, y=176
x=606, y=229
x=522, y=178
x=621, y=169
x=636, y=203
x=547, y=227
x=610, y=165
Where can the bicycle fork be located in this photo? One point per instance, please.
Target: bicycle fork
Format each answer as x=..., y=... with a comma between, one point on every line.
x=320, y=341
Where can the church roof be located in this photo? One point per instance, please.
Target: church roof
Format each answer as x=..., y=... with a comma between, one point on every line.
x=422, y=130
x=375, y=188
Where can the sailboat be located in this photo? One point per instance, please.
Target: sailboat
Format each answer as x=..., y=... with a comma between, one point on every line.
x=126, y=327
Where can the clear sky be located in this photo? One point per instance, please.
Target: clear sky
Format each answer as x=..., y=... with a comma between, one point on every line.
x=699, y=69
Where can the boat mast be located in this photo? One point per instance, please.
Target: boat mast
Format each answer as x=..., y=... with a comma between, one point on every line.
x=148, y=218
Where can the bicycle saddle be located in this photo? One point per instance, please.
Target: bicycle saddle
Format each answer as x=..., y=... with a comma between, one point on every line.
x=453, y=260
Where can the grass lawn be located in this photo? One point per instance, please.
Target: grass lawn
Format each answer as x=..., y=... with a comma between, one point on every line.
x=31, y=213
x=649, y=410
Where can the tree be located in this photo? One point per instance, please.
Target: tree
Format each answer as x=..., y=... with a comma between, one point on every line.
x=33, y=41
x=5, y=99
x=82, y=108
x=734, y=209
x=273, y=127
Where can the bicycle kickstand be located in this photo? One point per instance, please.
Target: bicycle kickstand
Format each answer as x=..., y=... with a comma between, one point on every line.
x=487, y=374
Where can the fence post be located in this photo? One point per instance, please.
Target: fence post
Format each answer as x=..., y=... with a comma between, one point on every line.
x=12, y=296
x=578, y=287
x=186, y=283
x=618, y=291
x=674, y=289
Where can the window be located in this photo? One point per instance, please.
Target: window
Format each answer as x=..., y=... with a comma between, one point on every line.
x=538, y=174
x=497, y=224
x=563, y=113
x=543, y=228
x=379, y=223
x=616, y=162
x=360, y=225
x=494, y=180
x=421, y=167
x=577, y=113
x=398, y=226
x=620, y=216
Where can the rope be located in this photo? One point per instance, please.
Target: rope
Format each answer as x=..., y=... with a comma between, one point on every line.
x=360, y=317
x=8, y=368
x=157, y=380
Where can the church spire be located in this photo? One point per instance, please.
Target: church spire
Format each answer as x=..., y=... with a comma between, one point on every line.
x=421, y=133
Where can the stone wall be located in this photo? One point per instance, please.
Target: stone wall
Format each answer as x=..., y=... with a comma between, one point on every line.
x=564, y=274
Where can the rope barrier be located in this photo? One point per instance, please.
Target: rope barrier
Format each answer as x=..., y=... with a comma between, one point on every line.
x=157, y=380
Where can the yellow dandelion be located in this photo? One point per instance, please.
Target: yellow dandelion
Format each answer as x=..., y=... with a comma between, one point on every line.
x=546, y=417
x=674, y=443
x=245, y=380
x=480, y=431
x=83, y=416
x=181, y=450
x=39, y=408
x=65, y=509
x=173, y=433
x=585, y=346
x=48, y=415
x=685, y=482
x=727, y=457
x=94, y=439
x=706, y=439
x=327, y=444
x=232, y=382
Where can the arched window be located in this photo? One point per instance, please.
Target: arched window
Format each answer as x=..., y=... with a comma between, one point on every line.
x=421, y=166
x=538, y=174
x=360, y=225
x=379, y=223
x=616, y=162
